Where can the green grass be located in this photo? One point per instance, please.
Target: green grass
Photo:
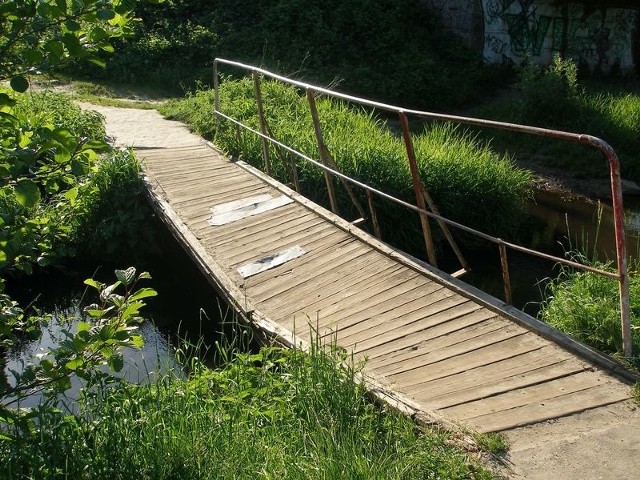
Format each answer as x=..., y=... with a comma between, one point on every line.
x=467, y=179
x=274, y=414
x=554, y=98
x=586, y=306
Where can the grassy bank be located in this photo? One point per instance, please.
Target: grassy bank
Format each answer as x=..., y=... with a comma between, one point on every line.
x=586, y=306
x=274, y=414
x=555, y=97
x=467, y=179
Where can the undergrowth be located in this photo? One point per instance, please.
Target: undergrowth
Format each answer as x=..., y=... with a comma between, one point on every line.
x=586, y=306
x=273, y=414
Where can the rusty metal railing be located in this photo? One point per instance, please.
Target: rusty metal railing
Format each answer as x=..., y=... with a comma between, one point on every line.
x=329, y=168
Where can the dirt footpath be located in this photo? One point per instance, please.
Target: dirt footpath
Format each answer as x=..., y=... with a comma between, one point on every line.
x=602, y=443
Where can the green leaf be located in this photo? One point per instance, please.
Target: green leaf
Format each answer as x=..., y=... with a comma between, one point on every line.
x=127, y=276
x=136, y=341
x=73, y=45
x=116, y=362
x=33, y=56
x=98, y=62
x=143, y=293
x=6, y=100
x=64, y=137
x=55, y=47
x=27, y=193
x=84, y=326
x=93, y=283
x=106, y=14
x=19, y=84
x=96, y=146
x=72, y=25
x=74, y=364
x=62, y=155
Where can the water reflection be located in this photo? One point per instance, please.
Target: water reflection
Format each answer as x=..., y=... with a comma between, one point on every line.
x=154, y=359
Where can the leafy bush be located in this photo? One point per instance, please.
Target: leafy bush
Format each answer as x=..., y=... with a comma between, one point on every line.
x=394, y=51
x=111, y=214
x=469, y=182
x=549, y=94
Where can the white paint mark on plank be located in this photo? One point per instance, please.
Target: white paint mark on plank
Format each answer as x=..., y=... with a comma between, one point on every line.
x=270, y=261
x=245, y=207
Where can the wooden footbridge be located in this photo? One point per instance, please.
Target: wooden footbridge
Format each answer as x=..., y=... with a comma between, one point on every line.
x=433, y=345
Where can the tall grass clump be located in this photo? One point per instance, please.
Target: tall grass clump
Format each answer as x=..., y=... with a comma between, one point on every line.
x=469, y=182
x=586, y=306
x=273, y=414
x=110, y=214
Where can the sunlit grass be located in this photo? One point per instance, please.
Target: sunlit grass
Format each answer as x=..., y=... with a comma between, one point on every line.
x=275, y=414
x=468, y=180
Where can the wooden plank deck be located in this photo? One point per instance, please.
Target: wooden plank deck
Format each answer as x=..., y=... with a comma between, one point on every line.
x=442, y=347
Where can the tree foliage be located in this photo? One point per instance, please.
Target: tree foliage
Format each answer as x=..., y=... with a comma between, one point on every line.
x=39, y=35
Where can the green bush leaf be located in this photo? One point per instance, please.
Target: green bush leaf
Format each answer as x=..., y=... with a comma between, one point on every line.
x=27, y=193
x=116, y=362
x=19, y=84
x=127, y=276
x=143, y=293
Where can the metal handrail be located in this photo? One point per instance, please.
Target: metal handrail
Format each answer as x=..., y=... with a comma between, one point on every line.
x=614, y=167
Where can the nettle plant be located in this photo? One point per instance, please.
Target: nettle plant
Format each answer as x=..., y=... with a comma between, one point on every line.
x=111, y=324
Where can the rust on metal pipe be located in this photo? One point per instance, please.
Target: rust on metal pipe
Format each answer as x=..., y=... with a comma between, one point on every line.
x=374, y=216
x=321, y=149
x=417, y=188
x=506, y=279
x=263, y=122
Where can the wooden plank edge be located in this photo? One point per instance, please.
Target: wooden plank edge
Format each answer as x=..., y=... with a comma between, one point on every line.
x=540, y=328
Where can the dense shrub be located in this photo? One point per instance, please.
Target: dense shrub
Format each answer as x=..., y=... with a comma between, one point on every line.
x=393, y=51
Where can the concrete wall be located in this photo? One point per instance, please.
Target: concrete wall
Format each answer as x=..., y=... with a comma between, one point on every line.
x=514, y=30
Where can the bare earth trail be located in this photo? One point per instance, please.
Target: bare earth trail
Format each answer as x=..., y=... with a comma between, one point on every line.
x=601, y=443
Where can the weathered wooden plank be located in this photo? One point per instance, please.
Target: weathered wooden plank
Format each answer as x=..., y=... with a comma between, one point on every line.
x=381, y=318
x=256, y=207
x=402, y=330
x=380, y=290
x=541, y=402
x=270, y=261
x=265, y=222
x=260, y=232
x=252, y=249
x=496, y=372
x=571, y=403
x=460, y=339
x=197, y=211
x=376, y=347
x=528, y=378
x=484, y=356
x=315, y=287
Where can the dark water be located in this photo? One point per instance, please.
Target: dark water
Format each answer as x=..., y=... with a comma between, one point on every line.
x=559, y=223
x=186, y=308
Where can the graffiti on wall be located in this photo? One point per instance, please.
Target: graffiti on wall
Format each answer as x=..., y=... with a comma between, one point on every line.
x=536, y=29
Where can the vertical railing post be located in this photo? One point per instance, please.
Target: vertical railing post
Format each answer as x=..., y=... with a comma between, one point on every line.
x=263, y=123
x=374, y=216
x=294, y=172
x=506, y=279
x=216, y=87
x=417, y=188
x=621, y=246
x=321, y=149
